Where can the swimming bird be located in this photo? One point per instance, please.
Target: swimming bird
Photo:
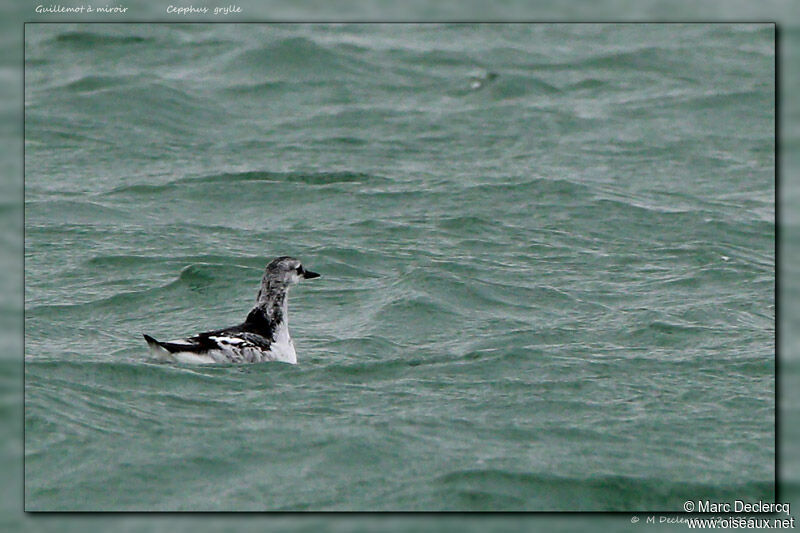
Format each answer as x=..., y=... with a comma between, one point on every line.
x=264, y=334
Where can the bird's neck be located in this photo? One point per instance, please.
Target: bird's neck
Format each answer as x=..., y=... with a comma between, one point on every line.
x=271, y=311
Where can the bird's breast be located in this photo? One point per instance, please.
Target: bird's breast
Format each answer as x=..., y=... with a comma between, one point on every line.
x=283, y=346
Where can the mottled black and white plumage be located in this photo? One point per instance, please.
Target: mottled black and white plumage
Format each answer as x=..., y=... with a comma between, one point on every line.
x=264, y=334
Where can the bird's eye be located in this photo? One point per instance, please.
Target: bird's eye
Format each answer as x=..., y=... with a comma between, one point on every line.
x=299, y=269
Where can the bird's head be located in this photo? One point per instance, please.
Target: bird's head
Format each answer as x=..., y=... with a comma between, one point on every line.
x=287, y=271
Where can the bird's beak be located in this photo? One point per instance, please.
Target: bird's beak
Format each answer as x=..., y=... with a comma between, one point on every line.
x=307, y=274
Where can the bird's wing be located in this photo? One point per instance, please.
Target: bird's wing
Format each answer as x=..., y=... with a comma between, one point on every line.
x=187, y=345
x=233, y=336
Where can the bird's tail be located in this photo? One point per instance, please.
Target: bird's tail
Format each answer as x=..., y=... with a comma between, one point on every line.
x=156, y=348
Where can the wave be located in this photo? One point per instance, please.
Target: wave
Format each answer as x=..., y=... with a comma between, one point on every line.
x=298, y=58
x=494, y=489
x=213, y=281
x=539, y=189
x=645, y=58
x=743, y=102
x=91, y=83
x=233, y=178
x=139, y=261
x=88, y=39
x=74, y=212
x=168, y=109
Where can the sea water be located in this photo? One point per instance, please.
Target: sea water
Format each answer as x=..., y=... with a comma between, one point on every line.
x=547, y=256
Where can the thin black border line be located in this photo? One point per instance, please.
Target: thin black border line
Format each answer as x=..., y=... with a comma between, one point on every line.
x=24, y=270
x=776, y=251
x=454, y=22
x=776, y=269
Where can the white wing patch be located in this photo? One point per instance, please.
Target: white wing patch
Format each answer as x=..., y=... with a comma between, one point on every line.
x=245, y=350
x=233, y=341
